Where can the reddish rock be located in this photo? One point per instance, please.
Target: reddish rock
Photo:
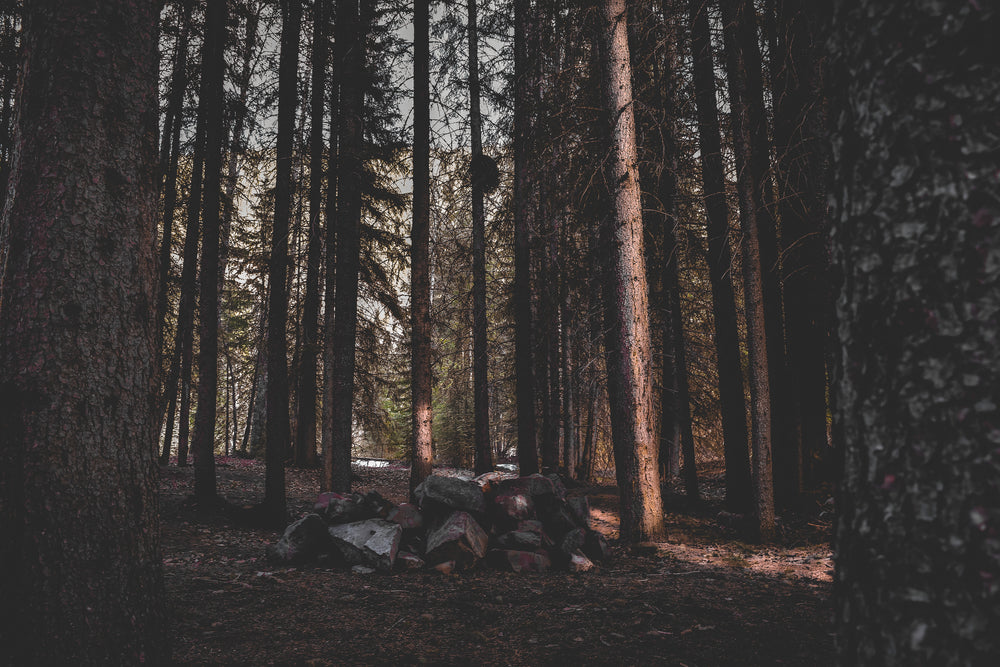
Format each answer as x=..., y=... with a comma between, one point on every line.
x=446, y=567
x=458, y=538
x=509, y=508
x=407, y=515
x=406, y=560
x=580, y=563
x=520, y=561
x=488, y=480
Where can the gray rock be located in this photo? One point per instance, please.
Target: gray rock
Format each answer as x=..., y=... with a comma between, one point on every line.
x=488, y=480
x=535, y=486
x=521, y=540
x=573, y=541
x=301, y=541
x=595, y=547
x=579, y=509
x=458, y=538
x=374, y=542
x=363, y=569
x=438, y=492
x=508, y=508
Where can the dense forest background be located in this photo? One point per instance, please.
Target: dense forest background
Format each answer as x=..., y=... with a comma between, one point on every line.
x=605, y=239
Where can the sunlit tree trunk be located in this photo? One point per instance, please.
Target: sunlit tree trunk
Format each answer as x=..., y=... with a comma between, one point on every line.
x=80, y=564
x=627, y=342
x=419, y=250
x=917, y=379
x=213, y=68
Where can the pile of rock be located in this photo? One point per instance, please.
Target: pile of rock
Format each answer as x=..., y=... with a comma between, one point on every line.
x=524, y=524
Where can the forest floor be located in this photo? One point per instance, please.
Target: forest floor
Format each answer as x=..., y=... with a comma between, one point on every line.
x=700, y=598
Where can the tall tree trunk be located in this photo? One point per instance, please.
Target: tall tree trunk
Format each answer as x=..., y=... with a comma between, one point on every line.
x=799, y=125
x=172, y=142
x=170, y=397
x=305, y=440
x=420, y=381
x=627, y=342
x=480, y=354
x=570, y=440
x=744, y=68
x=731, y=399
x=212, y=79
x=277, y=427
x=753, y=292
x=527, y=447
x=352, y=29
x=80, y=556
x=917, y=381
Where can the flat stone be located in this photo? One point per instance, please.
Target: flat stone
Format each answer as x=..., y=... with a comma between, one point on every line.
x=488, y=480
x=373, y=542
x=459, y=538
x=302, y=540
x=363, y=569
x=438, y=491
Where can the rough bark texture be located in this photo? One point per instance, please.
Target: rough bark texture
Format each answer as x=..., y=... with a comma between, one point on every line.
x=422, y=455
x=305, y=437
x=744, y=71
x=758, y=370
x=527, y=441
x=351, y=30
x=720, y=260
x=627, y=342
x=80, y=567
x=203, y=444
x=277, y=426
x=916, y=232
x=480, y=364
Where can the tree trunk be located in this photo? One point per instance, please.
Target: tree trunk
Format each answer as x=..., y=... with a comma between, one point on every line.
x=732, y=403
x=627, y=342
x=351, y=28
x=744, y=69
x=480, y=354
x=915, y=229
x=212, y=79
x=799, y=125
x=277, y=427
x=527, y=447
x=305, y=441
x=172, y=141
x=80, y=556
x=753, y=295
x=422, y=454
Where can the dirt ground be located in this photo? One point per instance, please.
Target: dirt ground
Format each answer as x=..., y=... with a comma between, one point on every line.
x=700, y=598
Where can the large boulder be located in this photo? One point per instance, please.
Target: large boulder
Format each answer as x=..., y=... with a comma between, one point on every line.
x=408, y=516
x=572, y=541
x=438, y=494
x=579, y=509
x=458, y=538
x=488, y=480
x=301, y=541
x=595, y=547
x=519, y=561
x=373, y=542
x=557, y=518
x=535, y=486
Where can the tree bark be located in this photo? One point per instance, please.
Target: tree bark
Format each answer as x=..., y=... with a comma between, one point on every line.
x=351, y=28
x=305, y=441
x=480, y=354
x=212, y=79
x=720, y=260
x=627, y=341
x=80, y=557
x=915, y=231
x=527, y=443
x=420, y=381
x=277, y=426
